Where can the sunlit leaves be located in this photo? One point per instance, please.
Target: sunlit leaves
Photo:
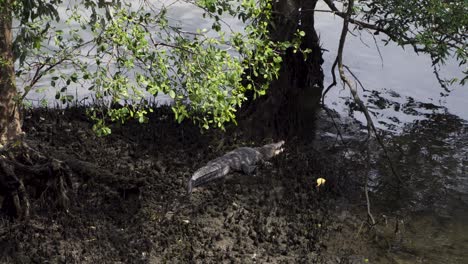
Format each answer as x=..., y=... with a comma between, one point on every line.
x=202, y=73
x=125, y=53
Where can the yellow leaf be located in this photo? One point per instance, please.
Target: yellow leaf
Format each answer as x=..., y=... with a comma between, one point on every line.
x=320, y=181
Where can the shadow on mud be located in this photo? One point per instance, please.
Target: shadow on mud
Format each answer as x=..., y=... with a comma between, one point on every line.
x=135, y=208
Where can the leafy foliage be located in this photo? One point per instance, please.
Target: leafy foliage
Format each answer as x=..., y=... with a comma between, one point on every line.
x=136, y=52
x=126, y=52
x=436, y=27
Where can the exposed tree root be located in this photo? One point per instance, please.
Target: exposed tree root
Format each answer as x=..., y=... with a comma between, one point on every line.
x=26, y=172
x=27, y=175
x=15, y=201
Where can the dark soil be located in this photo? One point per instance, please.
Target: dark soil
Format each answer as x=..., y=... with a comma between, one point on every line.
x=135, y=208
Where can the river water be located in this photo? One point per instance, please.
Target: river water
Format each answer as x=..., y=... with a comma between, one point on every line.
x=428, y=140
x=429, y=146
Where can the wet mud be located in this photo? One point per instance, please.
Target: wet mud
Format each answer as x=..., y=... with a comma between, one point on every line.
x=138, y=211
x=134, y=206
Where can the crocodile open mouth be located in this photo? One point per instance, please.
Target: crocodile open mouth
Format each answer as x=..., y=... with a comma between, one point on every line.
x=278, y=151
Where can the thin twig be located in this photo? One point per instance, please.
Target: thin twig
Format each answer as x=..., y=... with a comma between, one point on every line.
x=370, y=124
x=378, y=49
x=333, y=82
x=366, y=186
x=38, y=75
x=439, y=79
x=356, y=78
x=345, y=79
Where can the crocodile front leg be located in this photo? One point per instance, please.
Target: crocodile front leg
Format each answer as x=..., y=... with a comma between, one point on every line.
x=248, y=169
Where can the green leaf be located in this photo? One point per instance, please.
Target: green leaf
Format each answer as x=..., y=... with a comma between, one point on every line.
x=172, y=94
x=180, y=118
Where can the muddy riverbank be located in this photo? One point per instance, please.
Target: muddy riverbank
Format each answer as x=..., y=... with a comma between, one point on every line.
x=138, y=211
x=142, y=214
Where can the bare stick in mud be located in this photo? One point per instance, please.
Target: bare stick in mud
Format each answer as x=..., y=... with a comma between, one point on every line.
x=244, y=159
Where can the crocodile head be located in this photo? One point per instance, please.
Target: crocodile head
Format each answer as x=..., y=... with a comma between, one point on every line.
x=270, y=150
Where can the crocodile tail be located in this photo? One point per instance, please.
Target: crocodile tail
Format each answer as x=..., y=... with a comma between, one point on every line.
x=190, y=186
x=207, y=174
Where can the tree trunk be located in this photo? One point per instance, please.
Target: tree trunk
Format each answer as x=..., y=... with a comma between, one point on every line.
x=10, y=126
x=13, y=196
x=288, y=109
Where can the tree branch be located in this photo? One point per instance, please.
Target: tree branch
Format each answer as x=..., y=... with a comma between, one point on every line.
x=370, y=124
x=363, y=24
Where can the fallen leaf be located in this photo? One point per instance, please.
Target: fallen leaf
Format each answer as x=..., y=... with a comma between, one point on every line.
x=320, y=181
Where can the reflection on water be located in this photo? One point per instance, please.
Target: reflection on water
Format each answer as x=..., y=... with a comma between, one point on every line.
x=428, y=238
x=430, y=153
x=431, y=157
x=423, y=218
x=399, y=70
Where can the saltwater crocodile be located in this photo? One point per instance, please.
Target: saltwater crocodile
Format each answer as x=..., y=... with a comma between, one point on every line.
x=243, y=159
